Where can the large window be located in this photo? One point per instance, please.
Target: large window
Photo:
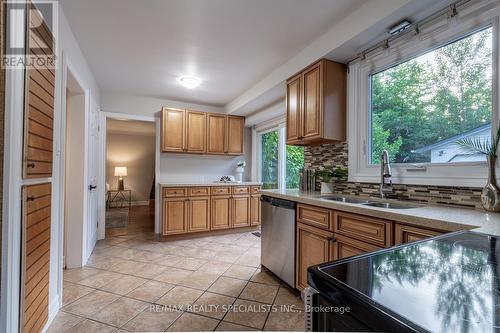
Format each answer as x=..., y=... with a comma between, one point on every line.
x=279, y=164
x=421, y=108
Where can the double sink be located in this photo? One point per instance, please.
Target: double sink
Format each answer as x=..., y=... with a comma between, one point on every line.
x=359, y=201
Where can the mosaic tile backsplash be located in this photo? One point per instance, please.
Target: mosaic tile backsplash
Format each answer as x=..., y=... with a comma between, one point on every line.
x=335, y=155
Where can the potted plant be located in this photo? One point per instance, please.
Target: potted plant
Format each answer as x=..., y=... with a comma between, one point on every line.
x=328, y=176
x=490, y=196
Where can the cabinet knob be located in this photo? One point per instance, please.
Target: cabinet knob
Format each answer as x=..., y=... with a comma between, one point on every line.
x=331, y=239
x=30, y=165
x=30, y=198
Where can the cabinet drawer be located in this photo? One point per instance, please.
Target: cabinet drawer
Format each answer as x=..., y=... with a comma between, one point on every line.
x=241, y=190
x=198, y=191
x=174, y=192
x=255, y=189
x=368, y=229
x=407, y=234
x=345, y=247
x=315, y=216
x=220, y=190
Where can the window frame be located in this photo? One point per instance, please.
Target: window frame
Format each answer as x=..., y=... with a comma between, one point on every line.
x=278, y=124
x=439, y=34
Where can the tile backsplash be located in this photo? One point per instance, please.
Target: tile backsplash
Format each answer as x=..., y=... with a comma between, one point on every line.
x=335, y=155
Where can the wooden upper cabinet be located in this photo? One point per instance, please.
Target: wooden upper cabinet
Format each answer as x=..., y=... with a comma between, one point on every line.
x=216, y=134
x=234, y=138
x=316, y=104
x=39, y=106
x=172, y=130
x=196, y=123
x=293, y=106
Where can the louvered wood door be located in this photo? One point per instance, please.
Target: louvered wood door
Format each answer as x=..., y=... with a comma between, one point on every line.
x=39, y=105
x=35, y=257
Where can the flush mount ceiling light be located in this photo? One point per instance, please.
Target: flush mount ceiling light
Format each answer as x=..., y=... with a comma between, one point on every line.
x=189, y=82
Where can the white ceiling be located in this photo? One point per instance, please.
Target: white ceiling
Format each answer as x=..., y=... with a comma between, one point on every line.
x=141, y=47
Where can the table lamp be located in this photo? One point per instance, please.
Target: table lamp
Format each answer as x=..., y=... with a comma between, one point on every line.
x=120, y=172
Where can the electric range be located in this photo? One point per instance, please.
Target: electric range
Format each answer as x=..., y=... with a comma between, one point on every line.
x=450, y=283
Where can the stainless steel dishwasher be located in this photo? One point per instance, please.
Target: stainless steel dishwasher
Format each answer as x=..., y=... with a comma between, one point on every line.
x=278, y=238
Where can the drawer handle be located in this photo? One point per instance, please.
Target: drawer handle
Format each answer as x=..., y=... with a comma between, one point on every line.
x=331, y=239
x=30, y=198
x=30, y=165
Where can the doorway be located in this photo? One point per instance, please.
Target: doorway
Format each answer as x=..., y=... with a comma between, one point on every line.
x=130, y=177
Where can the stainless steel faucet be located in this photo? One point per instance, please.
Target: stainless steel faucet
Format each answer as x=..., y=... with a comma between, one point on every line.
x=385, y=174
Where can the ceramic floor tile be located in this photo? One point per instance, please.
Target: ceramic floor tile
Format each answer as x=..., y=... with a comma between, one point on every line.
x=215, y=267
x=72, y=292
x=78, y=274
x=286, y=296
x=212, y=305
x=120, y=311
x=189, y=263
x=249, y=260
x=150, y=291
x=266, y=277
x=248, y=313
x=240, y=272
x=190, y=322
x=105, y=263
x=168, y=260
x=226, y=257
x=149, y=270
x=91, y=303
x=146, y=256
x=100, y=279
x=259, y=292
x=180, y=297
x=153, y=319
x=285, y=321
x=90, y=326
x=199, y=280
x=225, y=326
x=172, y=275
x=127, y=267
x=62, y=322
x=227, y=286
x=123, y=285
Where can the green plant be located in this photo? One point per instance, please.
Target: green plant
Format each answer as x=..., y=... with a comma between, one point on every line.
x=327, y=174
x=478, y=145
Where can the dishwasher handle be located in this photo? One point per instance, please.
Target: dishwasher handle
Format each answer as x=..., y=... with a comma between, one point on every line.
x=279, y=202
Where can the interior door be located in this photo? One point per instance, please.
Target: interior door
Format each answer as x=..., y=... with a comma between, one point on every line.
x=92, y=200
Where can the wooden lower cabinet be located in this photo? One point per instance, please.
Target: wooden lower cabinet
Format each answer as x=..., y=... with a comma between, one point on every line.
x=240, y=216
x=344, y=247
x=255, y=210
x=199, y=214
x=220, y=212
x=313, y=248
x=407, y=234
x=175, y=216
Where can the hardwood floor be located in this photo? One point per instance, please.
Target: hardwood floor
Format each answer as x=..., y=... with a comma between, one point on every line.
x=140, y=219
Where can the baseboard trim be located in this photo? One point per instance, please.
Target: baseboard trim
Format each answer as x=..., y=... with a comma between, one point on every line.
x=208, y=233
x=53, y=310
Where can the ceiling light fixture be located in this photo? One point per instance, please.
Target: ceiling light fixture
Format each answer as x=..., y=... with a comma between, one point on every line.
x=189, y=82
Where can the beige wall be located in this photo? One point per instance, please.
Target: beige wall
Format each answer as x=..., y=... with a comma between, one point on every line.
x=137, y=153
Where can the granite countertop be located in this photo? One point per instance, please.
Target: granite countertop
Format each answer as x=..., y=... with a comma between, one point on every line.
x=437, y=217
x=212, y=183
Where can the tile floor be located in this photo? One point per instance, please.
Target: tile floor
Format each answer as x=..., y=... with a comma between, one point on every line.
x=133, y=283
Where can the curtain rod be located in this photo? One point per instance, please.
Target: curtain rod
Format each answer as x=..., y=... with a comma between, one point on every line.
x=450, y=11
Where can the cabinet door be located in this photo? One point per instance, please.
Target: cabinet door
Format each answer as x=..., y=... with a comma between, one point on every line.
x=255, y=210
x=221, y=212
x=216, y=128
x=175, y=213
x=407, y=234
x=199, y=214
x=196, y=134
x=312, y=103
x=241, y=211
x=293, y=107
x=234, y=141
x=172, y=131
x=343, y=247
x=313, y=248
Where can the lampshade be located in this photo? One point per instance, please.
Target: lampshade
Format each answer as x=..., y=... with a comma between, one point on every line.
x=120, y=171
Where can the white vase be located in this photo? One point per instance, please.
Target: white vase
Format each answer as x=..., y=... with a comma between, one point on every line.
x=326, y=188
x=239, y=172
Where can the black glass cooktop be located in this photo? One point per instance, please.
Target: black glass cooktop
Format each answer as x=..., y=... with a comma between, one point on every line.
x=450, y=284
